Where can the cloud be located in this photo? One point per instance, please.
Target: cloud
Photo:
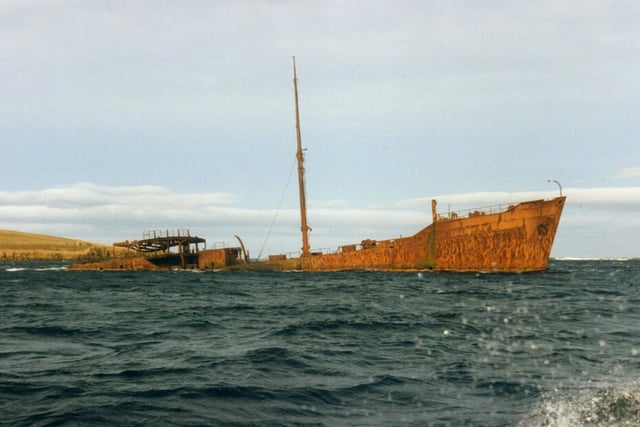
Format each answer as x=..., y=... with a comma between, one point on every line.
x=626, y=198
x=93, y=208
x=134, y=208
x=632, y=172
x=473, y=200
x=90, y=195
x=602, y=197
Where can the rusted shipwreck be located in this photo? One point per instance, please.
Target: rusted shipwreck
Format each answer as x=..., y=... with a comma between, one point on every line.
x=167, y=249
x=509, y=238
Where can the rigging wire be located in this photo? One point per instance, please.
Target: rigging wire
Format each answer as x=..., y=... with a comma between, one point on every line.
x=275, y=216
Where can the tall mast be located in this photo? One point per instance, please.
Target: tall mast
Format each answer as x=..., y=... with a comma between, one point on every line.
x=304, y=227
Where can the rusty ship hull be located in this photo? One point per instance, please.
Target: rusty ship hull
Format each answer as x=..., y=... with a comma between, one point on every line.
x=517, y=239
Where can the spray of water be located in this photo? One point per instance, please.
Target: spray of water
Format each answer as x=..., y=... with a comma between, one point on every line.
x=611, y=406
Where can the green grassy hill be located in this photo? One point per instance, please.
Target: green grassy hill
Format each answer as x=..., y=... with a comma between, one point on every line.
x=19, y=246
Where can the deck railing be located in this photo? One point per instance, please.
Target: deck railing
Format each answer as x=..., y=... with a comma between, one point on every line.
x=218, y=245
x=468, y=213
x=176, y=232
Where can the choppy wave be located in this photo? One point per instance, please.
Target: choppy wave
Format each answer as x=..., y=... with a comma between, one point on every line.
x=556, y=348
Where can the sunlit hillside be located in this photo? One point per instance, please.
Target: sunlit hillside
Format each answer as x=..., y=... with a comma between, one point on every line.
x=19, y=246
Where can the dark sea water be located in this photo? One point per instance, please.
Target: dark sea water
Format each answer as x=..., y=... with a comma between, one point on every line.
x=558, y=348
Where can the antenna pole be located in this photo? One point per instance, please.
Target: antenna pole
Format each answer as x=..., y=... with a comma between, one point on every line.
x=304, y=227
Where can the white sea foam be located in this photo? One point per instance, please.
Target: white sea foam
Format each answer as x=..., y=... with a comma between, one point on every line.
x=591, y=259
x=611, y=406
x=15, y=269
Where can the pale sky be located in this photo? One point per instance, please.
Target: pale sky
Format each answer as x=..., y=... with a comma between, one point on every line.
x=118, y=117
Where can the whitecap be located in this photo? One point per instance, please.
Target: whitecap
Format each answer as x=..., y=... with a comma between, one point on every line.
x=611, y=406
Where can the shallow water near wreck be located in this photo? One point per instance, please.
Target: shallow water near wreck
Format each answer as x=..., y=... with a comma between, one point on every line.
x=557, y=348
